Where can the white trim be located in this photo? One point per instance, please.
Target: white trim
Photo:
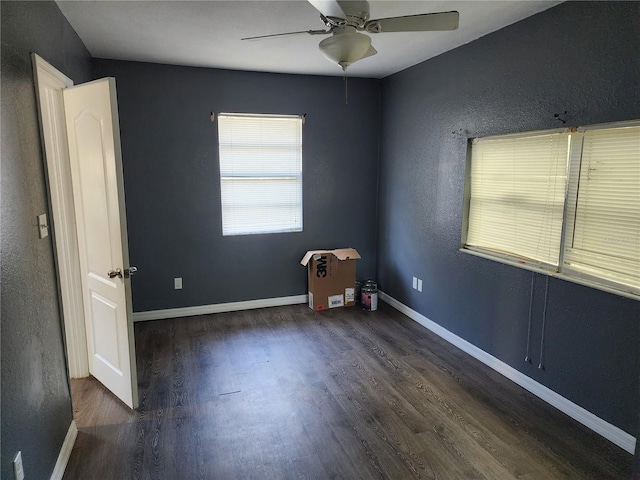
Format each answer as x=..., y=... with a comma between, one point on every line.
x=534, y=133
x=65, y=452
x=49, y=83
x=217, y=308
x=42, y=64
x=602, y=126
x=610, y=432
x=509, y=260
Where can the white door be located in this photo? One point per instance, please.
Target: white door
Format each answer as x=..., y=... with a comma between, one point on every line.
x=93, y=134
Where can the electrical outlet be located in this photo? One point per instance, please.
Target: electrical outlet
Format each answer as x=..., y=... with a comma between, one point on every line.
x=415, y=283
x=18, y=471
x=177, y=283
x=419, y=285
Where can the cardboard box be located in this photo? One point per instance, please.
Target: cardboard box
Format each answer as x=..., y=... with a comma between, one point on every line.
x=332, y=277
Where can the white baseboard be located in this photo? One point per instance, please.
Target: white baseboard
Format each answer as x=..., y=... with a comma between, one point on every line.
x=65, y=452
x=610, y=432
x=217, y=308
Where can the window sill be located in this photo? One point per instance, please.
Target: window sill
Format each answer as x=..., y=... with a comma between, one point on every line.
x=551, y=272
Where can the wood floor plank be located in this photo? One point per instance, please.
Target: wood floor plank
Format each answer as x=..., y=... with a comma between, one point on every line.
x=326, y=422
x=489, y=431
x=288, y=393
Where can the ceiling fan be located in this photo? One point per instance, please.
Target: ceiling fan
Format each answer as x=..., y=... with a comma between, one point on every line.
x=345, y=20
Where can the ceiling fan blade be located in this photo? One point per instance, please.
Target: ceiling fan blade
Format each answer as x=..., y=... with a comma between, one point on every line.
x=328, y=8
x=310, y=32
x=426, y=22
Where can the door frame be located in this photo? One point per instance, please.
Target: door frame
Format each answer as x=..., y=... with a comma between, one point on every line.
x=53, y=135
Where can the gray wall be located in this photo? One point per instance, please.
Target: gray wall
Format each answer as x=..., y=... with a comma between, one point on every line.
x=36, y=408
x=579, y=57
x=170, y=158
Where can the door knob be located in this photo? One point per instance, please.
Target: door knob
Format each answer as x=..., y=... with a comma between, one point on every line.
x=130, y=272
x=115, y=273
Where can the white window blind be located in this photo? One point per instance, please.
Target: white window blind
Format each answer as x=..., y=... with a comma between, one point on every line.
x=603, y=209
x=260, y=173
x=517, y=195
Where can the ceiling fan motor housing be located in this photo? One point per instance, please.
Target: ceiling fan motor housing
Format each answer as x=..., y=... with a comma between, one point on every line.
x=356, y=14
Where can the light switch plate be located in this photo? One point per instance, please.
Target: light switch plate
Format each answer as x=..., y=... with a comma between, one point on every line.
x=43, y=225
x=419, y=284
x=177, y=283
x=415, y=282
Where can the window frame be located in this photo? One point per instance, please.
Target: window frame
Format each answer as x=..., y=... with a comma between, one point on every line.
x=262, y=176
x=561, y=271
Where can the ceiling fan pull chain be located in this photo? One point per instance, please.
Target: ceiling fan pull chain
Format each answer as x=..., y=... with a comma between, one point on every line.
x=346, y=90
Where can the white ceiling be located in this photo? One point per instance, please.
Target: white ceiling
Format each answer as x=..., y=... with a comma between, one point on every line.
x=208, y=33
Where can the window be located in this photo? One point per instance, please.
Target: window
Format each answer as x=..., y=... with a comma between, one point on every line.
x=566, y=203
x=517, y=195
x=603, y=206
x=260, y=173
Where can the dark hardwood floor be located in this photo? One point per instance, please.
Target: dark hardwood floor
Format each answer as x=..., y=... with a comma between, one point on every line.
x=284, y=393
